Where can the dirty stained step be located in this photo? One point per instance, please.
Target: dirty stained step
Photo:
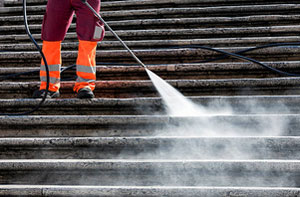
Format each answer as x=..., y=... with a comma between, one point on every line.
x=165, y=44
x=240, y=10
x=141, y=125
x=184, y=33
x=153, y=105
x=114, y=191
x=165, y=71
x=179, y=23
x=171, y=191
x=257, y=173
x=158, y=147
x=156, y=56
x=145, y=88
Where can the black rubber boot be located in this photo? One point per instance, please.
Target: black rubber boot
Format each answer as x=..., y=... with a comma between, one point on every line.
x=41, y=93
x=85, y=93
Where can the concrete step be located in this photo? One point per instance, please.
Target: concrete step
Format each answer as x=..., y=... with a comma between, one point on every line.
x=201, y=11
x=165, y=71
x=142, y=44
x=221, y=11
x=257, y=173
x=150, y=106
x=159, y=147
x=129, y=89
x=209, y=22
x=181, y=34
x=87, y=191
x=153, y=56
x=11, y=3
x=138, y=4
x=218, y=124
x=200, y=32
x=194, y=33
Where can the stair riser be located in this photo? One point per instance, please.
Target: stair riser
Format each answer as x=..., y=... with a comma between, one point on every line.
x=163, y=44
x=129, y=89
x=236, y=125
x=162, y=56
x=166, y=174
x=285, y=9
x=259, y=21
x=144, y=148
x=71, y=191
x=151, y=106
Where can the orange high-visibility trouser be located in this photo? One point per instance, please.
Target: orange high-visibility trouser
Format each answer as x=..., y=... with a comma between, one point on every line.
x=85, y=65
x=52, y=53
x=57, y=20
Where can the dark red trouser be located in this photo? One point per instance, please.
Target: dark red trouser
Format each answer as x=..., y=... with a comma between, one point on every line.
x=59, y=15
x=57, y=20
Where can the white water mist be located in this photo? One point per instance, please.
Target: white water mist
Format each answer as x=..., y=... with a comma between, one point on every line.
x=176, y=103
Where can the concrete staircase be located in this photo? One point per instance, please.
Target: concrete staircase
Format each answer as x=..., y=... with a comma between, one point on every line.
x=123, y=143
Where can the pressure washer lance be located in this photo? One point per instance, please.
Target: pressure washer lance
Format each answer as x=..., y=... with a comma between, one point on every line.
x=229, y=54
x=114, y=33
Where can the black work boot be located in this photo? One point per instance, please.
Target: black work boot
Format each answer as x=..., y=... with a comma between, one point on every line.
x=41, y=93
x=85, y=93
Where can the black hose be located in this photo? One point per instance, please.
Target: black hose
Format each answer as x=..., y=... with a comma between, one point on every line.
x=241, y=57
x=46, y=66
x=251, y=49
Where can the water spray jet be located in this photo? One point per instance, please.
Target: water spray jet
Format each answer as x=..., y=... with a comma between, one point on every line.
x=172, y=98
x=177, y=104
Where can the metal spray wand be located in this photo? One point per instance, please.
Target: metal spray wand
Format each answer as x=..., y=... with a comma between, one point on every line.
x=114, y=33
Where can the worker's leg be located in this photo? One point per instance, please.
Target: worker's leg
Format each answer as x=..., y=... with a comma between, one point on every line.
x=57, y=19
x=53, y=57
x=86, y=65
x=89, y=32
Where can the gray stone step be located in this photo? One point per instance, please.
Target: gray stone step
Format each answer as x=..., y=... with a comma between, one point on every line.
x=150, y=106
x=153, y=56
x=229, y=10
x=147, y=3
x=177, y=12
x=141, y=44
x=165, y=71
x=16, y=2
x=177, y=33
x=159, y=147
x=133, y=88
x=257, y=173
x=87, y=191
x=195, y=33
x=257, y=20
x=141, y=125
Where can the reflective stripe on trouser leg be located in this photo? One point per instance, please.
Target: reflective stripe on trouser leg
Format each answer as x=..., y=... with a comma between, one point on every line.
x=52, y=51
x=86, y=65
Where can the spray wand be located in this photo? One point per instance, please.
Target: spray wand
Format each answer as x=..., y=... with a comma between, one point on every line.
x=235, y=55
x=114, y=33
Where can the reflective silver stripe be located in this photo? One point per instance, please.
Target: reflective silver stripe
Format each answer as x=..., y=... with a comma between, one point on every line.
x=53, y=67
x=98, y=32
x=79, y=80
x=52, y=80
x=86, y=69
